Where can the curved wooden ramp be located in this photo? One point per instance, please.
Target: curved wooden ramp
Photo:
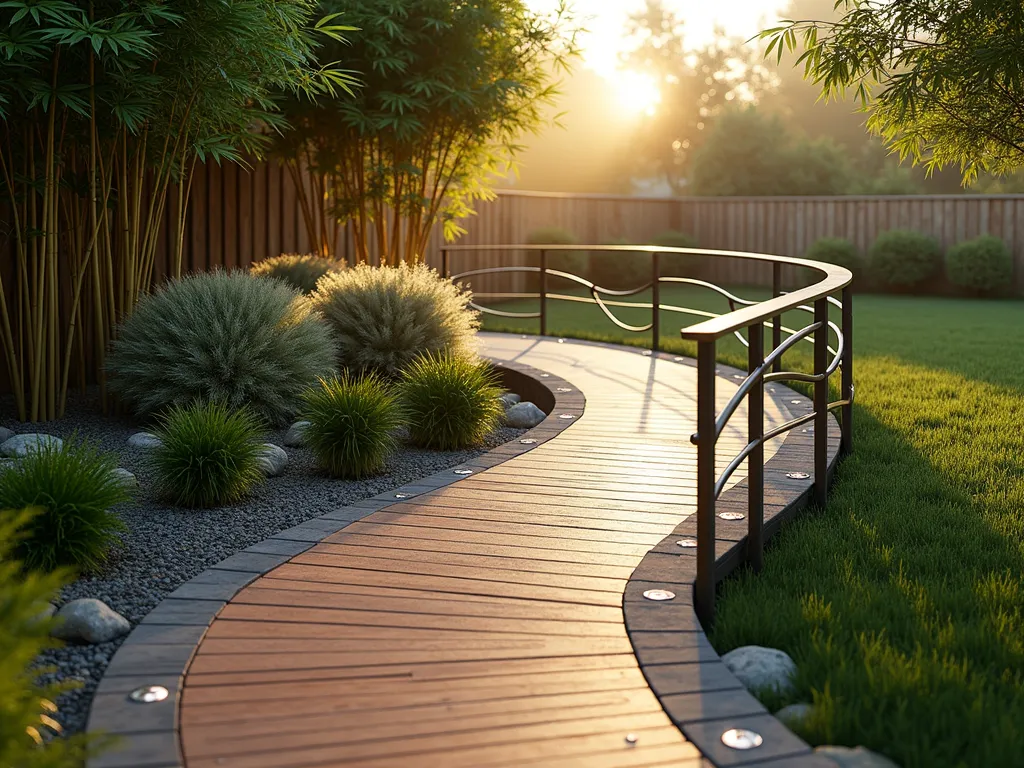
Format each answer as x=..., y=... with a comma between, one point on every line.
x=479, y=623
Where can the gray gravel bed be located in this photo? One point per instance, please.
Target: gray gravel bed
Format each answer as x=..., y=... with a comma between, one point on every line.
x=166, y=546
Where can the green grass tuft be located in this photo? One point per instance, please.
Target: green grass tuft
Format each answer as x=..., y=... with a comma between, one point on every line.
x=450, y=402
x=209, y=454
x=301, y=271
x=352, y=423
x=74, y=488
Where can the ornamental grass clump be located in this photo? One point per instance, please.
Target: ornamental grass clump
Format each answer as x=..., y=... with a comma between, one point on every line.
x=450, y=402
x=299, y=270
x=222, y=337
x=209, y=454
x=73, y=487
x=27, y=710
x=352, y=423
x=383, y=317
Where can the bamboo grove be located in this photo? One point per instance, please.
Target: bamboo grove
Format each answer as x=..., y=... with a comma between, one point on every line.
x=105, y=109
x=447, y=91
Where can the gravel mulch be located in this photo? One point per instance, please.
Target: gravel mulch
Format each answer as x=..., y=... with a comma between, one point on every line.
x=166, y=546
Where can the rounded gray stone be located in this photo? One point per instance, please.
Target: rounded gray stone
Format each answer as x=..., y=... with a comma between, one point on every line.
x=146, y=440
x=272, y=459
x=794, y=714
x=90, y=620
x=509, y=399
x=5, y=434
x=125, y=478
x=23, y=445
x=760, y=668
x=296, y=435
x=858, y=757
x=524, y=415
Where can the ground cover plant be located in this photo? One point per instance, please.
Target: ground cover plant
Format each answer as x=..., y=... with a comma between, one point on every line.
x=384, y=317
x=450, y=402
x=73, y=488
x=208, y=454
x=225, y=337
x=901, y=601
x=352, y=424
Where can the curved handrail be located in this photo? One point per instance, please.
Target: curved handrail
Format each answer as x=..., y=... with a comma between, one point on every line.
x=745, y=314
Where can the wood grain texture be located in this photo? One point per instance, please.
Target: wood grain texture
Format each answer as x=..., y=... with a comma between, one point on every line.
x=479, y=624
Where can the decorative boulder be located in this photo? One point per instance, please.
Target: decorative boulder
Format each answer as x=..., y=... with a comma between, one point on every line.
x=5, y=435
x=794, y=714
x=844, y=757
x=761, y=668
x=296, y=434
x=90, y=620
x=272, y=460
x=125, y=478
x=22, y=445
x=509, y=399
x=146, y=440
x=524, y=415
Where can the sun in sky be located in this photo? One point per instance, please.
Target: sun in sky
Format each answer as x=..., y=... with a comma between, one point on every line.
x=606, y=39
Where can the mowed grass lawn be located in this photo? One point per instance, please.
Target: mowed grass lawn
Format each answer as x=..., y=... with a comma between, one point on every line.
x=902, y=601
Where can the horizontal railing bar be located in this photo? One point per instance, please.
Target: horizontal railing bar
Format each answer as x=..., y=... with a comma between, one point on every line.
x=502, y=313
x=727, y=472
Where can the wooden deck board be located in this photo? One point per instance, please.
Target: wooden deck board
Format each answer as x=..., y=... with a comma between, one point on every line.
x=478, y=624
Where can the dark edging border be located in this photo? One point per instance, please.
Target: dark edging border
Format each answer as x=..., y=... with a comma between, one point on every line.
x=160, y=648
x=696, y=690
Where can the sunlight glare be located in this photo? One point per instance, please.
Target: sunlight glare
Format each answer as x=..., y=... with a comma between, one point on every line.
x=637, y=93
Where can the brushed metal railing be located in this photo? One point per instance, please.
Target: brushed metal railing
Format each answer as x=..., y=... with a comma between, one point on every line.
x=746, y=320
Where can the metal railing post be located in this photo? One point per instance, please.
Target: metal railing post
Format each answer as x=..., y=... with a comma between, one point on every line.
x=704, y=594
x=821, y=402
x=847, y=370
x=777, y=319
x=444, y=263
x=543, y=293
x=655, y=301
x=755, y=461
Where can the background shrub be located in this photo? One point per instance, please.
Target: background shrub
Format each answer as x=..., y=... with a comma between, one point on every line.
x=450, y=402
x=383, y=317
x=221, y=337
x=26, y=708
x=74, y=489
x=209, y=454
x=574, y=262
x=983, y=264
x=620, y=270
x=833, y=250
x=352, y=423
x=679, y=265
x=299, y=270
x=904, y=258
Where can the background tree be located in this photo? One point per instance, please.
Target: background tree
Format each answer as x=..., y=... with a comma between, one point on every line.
x=448, y=90
x=105, y=108
x=695, y=84
x=749, y=152
x=942, y=80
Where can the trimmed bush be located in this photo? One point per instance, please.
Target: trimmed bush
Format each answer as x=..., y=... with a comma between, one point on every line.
x=620, y=270
x=450, y=402
x=221, y=337
x=26, y=708
x=299, y=270
x=383, y=317
x=833, y=250
x=352, y=423
x=904, y=258
x=983, y=264
x=574, y=262
x=208, y=455
x=676, y=264
x=74, y=487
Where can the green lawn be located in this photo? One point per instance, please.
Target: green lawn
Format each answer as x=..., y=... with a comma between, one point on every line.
x=902, y=601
